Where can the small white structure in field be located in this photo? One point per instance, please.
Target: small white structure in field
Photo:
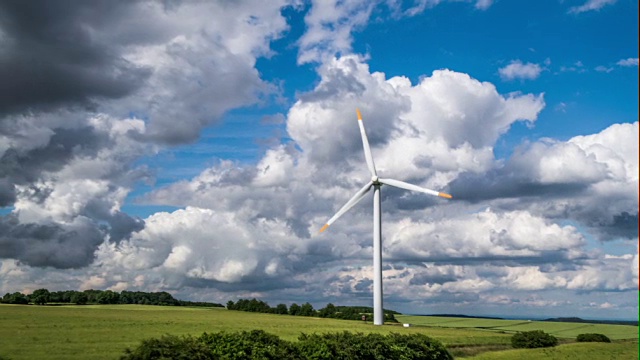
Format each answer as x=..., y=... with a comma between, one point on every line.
x=406, y=325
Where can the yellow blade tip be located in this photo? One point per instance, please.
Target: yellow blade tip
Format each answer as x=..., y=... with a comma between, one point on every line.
x=359, y=115
x=445, y=195
x=324, y=227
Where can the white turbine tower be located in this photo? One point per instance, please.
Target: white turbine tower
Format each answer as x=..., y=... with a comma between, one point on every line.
x=376, y=183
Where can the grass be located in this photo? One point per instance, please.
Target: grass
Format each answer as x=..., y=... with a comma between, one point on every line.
x=577, y=351
x=104, y=331
x=558, y=329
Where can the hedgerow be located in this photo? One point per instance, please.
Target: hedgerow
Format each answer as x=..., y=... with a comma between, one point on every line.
x=257, y=344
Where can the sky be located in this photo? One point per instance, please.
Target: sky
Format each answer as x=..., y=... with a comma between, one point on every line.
x=197, y=147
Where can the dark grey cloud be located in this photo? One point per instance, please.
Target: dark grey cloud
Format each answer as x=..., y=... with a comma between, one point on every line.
x=604, y=215
x=363, y=285
x=427, y=278
x=623, y=225
x=506, y=183
x=544, y=257
x=120, y=224
x=58, y=54
x=49, y=244
x=7, y=193
x=249, y=283
x=26, y=166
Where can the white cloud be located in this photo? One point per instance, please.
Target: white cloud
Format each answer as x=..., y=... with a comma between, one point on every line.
x=201, y=244
x=531, y=278
x=330, y=25
x=590, y=5
x=517, y=70
x=78, y=167
x=605, y=69
x=628, y=62
x=483, y=4
x=203, y=68
x=484, y=235
x=249, y=229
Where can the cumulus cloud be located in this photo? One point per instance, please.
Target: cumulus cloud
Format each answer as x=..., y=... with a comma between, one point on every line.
x=590, y=5
x=66, y=195
x=139, y=58
x=62, y=59
x=628, y=62
x=329, y=28
x=69, y=163
x=592, y=179
x=427, y=133
x=517, y=70
x=517, y=235
x=92, y=88
x=330, y=24
x=212, y=247
x=68, y=245
x=412, y=129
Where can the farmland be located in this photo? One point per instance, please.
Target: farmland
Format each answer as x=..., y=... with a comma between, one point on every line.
x=557, y=329
x=104, y=331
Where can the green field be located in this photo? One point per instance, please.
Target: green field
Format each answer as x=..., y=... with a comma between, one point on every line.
x=104, y=331
x=558, y=329
x=613, y=351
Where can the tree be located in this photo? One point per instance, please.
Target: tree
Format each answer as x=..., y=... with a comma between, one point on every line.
x=282, y=309
x=294, y=309
x=79, y=298
x=108, y=297
x=15, y=298
x=533, y=339
x=328, y=312
x=40, y=296
x=307, y=310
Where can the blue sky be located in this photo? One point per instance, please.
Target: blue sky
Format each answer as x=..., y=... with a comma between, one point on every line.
x=197, y=148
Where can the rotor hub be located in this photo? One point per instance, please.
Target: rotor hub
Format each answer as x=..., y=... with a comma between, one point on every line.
x=375, y=180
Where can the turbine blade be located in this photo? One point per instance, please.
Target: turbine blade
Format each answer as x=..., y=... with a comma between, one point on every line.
x=365, y=145
x=407, y=186
x=354, y=200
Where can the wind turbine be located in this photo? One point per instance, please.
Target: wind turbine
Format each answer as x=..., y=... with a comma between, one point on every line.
x=376, y=183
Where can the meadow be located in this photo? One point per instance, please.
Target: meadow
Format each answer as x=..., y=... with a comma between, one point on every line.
x=104, y=331
x=557, y=329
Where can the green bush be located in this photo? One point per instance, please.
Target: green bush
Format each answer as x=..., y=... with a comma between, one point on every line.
x=417, y=346
x=255, y=344
x=593, y=338
x=344, y=345
x=260, y=345
x=170, y=347
x=533, y=339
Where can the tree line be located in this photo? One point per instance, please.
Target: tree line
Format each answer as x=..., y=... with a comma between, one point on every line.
x=163, y=298
x=306, y=309
x=44, y=296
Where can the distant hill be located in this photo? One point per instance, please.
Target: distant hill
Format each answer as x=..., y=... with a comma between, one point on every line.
x=579, y=320
x=464, y=316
